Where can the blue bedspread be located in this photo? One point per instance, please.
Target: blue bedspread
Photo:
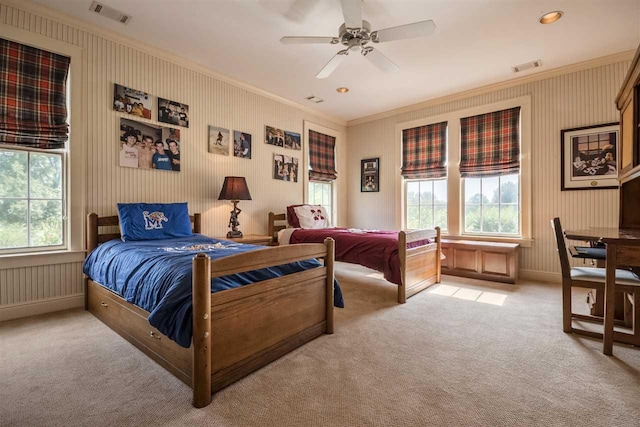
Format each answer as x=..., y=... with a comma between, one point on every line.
x=156, y=276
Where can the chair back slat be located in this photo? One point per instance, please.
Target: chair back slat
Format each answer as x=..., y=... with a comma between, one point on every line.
x=562, y=248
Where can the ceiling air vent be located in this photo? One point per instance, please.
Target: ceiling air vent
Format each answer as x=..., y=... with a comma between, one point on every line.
x=314, y=99
x=528, y=65
x=110, y=13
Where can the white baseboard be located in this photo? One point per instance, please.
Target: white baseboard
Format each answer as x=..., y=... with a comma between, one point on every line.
x=539, y=276
x=16, y=311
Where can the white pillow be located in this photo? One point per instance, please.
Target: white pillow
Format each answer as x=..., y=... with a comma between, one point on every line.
x=312, y=217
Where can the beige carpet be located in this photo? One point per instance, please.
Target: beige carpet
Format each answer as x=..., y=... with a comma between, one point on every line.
x=450, y=356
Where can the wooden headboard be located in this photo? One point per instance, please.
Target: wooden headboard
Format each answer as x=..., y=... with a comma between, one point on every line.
x=273, y=228
x=94, y=238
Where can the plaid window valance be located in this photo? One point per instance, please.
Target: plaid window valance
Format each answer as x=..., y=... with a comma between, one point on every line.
x=424, y=151
x=322, y=157
x=490, y=144
x=33, y=96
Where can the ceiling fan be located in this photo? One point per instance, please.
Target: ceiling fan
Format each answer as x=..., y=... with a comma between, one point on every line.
x=355, y=34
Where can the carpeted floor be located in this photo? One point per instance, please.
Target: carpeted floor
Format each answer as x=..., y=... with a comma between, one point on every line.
x=450, y=356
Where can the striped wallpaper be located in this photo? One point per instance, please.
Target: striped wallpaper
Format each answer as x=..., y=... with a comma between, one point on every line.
x=211, y=101
x=568, y=101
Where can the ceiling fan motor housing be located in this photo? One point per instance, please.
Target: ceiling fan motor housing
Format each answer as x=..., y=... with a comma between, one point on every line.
x=355, y=38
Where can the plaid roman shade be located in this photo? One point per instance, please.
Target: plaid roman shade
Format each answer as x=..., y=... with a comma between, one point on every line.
x=424, y=151
x=490, y=144
x=33, y=96
x=322, y=157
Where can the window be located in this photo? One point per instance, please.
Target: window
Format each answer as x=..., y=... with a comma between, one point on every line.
x=320, y=194
x=427, y=204
x=31, y=199
x=42, y=178
x=484, y=192
x=492, y=205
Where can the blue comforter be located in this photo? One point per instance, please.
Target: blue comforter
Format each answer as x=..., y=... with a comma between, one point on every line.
x=156, y=276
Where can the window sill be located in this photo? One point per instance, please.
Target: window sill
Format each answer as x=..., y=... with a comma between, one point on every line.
x=525, y=243
x=40, y=258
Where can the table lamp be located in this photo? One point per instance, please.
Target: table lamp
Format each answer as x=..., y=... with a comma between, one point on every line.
x=234, y=189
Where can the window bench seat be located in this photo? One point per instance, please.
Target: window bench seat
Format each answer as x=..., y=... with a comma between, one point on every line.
x=481, y=260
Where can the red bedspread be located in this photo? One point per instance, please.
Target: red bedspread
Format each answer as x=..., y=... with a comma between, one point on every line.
x=373, y=249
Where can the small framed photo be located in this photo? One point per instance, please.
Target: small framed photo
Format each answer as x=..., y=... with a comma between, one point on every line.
x=292, y=141
x=285, y=168
x=173, y=112
x=131, y=101
x=590, y=157
x=370, y=175
x=241, y=144
x=148, y=146
x=219, y=141
x=273, y=136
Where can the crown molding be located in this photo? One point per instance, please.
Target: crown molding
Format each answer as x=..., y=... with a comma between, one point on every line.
x=46, y=12
x=555, y=72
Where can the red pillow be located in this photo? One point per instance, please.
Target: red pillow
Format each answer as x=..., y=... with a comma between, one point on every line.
x=292, y=218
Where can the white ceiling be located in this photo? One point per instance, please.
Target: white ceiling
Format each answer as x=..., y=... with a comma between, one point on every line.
x=475, y=43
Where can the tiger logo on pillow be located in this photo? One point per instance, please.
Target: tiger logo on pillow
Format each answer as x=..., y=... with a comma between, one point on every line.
x=154, y=220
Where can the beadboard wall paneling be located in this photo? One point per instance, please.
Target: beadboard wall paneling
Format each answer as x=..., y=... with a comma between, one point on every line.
x=577, y=99
x=211, y=102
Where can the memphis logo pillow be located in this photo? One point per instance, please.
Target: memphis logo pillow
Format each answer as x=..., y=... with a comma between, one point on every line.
x=153, y=221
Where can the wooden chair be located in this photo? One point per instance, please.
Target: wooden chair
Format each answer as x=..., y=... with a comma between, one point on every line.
x=593, y=278
x=620, y=254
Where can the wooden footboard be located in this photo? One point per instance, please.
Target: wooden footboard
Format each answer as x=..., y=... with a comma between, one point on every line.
x=235, y=331
x=419, y=266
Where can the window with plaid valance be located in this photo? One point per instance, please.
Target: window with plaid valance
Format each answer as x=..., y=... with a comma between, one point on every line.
x=33, y=96
x=322, y=157
x=490, y=144
x=424, y=151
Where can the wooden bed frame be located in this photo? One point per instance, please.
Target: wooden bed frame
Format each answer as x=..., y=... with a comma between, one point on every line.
x=419, y=267
x=236, y=331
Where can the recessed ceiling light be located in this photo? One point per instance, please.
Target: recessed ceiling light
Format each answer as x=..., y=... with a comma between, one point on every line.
x=342, y=90
x=551, y=17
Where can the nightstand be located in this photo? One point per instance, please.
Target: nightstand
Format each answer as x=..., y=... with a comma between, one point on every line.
x=252, y=239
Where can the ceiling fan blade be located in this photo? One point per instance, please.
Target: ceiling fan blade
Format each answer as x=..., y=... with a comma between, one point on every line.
x=379, y=60
x=332, y=64
x=352, y=11
x=408, y=31
x=308, y=40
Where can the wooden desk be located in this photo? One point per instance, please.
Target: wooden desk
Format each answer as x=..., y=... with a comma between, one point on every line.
x=596, y=234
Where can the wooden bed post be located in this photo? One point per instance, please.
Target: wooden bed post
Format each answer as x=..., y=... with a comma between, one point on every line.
x=92, y=232
x=272, y=224
x=197, y=223
x=402, y=254
x=328, y=263
x=201, y=372
x=438, y=254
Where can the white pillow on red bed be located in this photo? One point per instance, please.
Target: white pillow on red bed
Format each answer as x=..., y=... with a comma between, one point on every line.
x=312, y=217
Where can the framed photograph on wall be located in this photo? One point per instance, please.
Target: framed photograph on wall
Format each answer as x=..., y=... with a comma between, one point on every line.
x=219, y=140
x=131, y=101
x=173, y=112
x=285, y=168
x=370, y=175
x=590, y=157
x=241, y=144
x=149, y=146
x=274, y=136
x=292, y=140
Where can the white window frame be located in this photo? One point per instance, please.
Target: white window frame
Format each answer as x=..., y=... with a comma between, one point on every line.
x=334, y=197
x=482, y=233
x=455, y=190
x=75, y=175
x=405, y=185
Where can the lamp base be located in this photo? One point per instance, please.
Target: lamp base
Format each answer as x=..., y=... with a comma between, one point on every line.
x=234, y=234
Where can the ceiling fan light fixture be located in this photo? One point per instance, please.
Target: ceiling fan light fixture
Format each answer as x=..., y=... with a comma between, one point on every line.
x=342, y=89
x=551, y=17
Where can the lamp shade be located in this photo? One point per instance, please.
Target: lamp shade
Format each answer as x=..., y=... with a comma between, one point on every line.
x=234, y=188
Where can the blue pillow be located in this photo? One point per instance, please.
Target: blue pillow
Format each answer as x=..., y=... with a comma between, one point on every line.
x=152, y=221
